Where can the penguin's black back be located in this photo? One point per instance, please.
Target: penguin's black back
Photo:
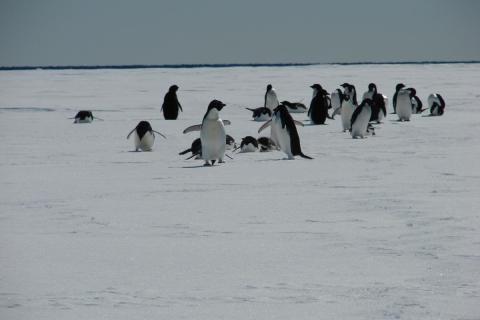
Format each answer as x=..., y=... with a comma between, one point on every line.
x=142, y=128
x=289, y=124
x=83, y=114
x=249, y=140
x=319, y=108
x=260, y=111
x=359, y=110
x=170, y=105
x=378, y=105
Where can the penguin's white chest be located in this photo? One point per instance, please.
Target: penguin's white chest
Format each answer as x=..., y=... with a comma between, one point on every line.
x=84, y=120
x=359, y=127
x=146, y=143
x=404, y=105
x=346, y=114
x=213, y=139
x=271, y=100
x=282, y=136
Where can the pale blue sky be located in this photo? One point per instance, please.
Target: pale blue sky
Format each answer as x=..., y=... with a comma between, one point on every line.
x=99, y=32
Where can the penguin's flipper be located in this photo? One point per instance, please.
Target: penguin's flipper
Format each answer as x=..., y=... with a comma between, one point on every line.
x=184, y=152
x=265, y=125
x=298, y=123
x=128, y=137
x=196, y=127
x=245, y=108
x=193, y=155
x=226, y=122
x=160, y=134
x=226, y=155
x=179, y=106
x=304, y=156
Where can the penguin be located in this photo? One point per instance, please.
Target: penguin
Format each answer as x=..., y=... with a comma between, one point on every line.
x=360, y=119
x=170, y=104
x=261, y=114
x=271, y=100
x=230, y=142
x=283, y=128
x=144, y=136
x=294, y=107
x=436, y=104
x=248, y=144
x=404, y=105
x=84, y=116
x=336, y=99
x=398, y=87
x=416, y=102
x=266, y=144
x=318, y=111
x=348, y=105
x=379, y=109
x=195, y=149
x=212, y=134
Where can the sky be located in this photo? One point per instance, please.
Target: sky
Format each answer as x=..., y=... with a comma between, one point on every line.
x=120, y=32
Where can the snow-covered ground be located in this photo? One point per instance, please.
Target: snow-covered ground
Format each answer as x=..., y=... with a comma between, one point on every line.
x=386, y=227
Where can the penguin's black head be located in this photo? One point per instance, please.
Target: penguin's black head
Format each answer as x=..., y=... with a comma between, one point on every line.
x=269, y=87
x=173, y=88
x=372, y=87
x=399, y=86
x=145, y=125
x=413, y=92
x=366, y=101
x=216, y=104
x=316, y=86
x=280, y=109
x=345, y=85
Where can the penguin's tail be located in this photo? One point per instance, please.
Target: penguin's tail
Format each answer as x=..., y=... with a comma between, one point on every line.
x=184, y=152
x=305, y=156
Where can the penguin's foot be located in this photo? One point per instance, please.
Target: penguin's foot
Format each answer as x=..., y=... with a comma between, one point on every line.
x=207, y=164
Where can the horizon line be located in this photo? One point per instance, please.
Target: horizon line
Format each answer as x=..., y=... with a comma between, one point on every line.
x=224, y=65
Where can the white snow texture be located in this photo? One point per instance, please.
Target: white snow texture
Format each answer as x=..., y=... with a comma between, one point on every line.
x=385, y=227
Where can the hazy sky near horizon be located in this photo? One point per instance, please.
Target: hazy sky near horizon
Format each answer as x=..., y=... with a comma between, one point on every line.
x=112, y=32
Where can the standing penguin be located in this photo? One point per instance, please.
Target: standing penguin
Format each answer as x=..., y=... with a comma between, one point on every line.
x=360, y=119
x=286, y=133
x=404, y=105
x=212, y=133
x=170, y=104
x=398, y=87
x=144, y=136
x=379, y=109
x=318, y=111
x=84, y=116
x=348, y=105
x=336, y=100
x=436, y=104
x=271, y=100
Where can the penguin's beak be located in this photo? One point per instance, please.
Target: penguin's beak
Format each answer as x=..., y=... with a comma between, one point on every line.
x=312, y=86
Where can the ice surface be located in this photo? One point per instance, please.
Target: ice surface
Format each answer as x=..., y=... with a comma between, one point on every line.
x=385, y=227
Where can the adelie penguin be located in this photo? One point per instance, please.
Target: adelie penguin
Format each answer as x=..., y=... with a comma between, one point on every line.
x=436, y=104
x=360, y=119
x=248, y=144
x=319, y=105
x=266, y=144
x=349, y=104
x=212, y=133
x=171, y=105
x=283, y=128
x=294, y=107
x=84, y=116
x=271, y=100
x=144, y=136
x=398, y=87
x=379, y=103
x=336, y=100
x=261, y=114
x=404, y=105
x=416, y=102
